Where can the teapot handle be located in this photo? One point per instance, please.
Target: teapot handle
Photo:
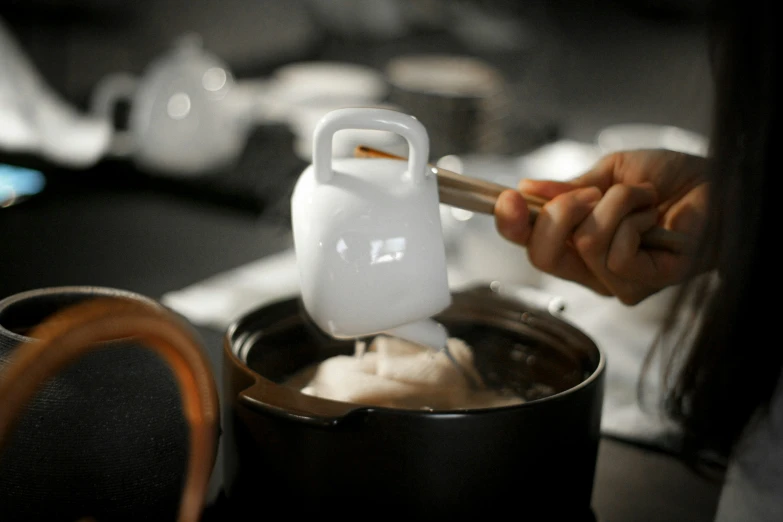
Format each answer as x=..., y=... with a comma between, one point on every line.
x=109, y=91
x=405, y=125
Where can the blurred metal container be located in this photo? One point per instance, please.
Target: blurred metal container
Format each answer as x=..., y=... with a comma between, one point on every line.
x=462, y=101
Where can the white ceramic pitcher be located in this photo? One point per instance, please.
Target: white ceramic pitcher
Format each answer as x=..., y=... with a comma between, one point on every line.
x=368, y=237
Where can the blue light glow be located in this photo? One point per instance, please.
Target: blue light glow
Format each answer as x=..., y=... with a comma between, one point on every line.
x=18, y=182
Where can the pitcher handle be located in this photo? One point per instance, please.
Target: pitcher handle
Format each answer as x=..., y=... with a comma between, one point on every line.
x=405, y=125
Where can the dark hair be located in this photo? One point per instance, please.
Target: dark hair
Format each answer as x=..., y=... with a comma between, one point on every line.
x=715, y=385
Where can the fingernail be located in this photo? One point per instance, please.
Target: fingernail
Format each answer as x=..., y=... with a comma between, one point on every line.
x=527, y=185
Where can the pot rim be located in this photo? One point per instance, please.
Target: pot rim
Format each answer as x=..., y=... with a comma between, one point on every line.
x=75, y=290
x=336, y=410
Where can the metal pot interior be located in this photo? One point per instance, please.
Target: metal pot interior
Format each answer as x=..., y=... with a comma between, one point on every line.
x=517, y=348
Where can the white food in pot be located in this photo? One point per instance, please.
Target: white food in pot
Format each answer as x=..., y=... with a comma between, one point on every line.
x=394, y=373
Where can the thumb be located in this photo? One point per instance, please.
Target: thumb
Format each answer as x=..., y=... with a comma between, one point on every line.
x=512, y=217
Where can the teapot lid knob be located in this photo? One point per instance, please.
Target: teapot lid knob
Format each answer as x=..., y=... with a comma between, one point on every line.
x=189, y=42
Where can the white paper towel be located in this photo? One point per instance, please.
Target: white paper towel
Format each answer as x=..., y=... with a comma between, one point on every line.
x=219, y=300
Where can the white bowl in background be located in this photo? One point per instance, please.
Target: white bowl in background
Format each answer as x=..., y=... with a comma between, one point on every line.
x=630, y=136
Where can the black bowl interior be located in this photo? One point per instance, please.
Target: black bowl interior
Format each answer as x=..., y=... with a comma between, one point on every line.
x=532, y=362
x=22, y=315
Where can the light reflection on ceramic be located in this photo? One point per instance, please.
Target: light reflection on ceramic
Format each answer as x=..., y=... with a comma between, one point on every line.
x=367, y=233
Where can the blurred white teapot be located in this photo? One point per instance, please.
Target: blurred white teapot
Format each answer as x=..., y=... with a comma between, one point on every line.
x=184, y=118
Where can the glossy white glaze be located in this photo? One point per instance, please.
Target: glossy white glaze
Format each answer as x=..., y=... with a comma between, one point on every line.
x=367, y=234
x=425, y=332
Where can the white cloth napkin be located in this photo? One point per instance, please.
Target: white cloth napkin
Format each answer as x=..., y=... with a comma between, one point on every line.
x=36, y=120
x=221, y=299
x=625, y=335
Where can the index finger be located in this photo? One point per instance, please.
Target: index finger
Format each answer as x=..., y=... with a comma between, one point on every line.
x=601, y=176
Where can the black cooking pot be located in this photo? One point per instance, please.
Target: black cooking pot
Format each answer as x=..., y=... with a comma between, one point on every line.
x=537, y=459
x=106, y=437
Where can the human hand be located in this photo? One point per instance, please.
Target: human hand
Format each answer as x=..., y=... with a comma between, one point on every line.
x=590, y=230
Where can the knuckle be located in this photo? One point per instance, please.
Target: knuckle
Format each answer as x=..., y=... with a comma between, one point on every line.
x=613, y=160
x=556, y=209
x=622, y=255
x=616, y=263
x=587, y=245
x=540, y=260
x=563, y=208
x=620, y=193
x=621, y=264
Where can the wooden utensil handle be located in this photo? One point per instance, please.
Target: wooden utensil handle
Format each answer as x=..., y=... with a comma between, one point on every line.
x=480, y=196
x=447, y=178
x=480, y=203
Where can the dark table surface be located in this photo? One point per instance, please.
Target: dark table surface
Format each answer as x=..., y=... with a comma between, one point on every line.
x=112, y=226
